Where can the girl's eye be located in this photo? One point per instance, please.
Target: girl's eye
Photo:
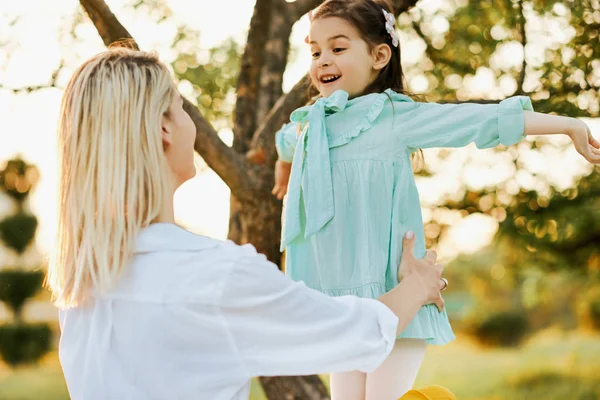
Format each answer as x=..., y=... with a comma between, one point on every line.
x=338, y=50
x=316, y=54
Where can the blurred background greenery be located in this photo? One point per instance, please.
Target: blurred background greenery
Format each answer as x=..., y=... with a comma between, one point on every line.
x=519, y=227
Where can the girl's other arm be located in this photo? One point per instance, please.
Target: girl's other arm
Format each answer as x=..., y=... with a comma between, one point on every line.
x=285, y=143
x=283, y=170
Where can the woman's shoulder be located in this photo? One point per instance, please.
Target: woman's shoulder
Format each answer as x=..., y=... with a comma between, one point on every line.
x=188, y=253
x=170, y=237
x=181, y=266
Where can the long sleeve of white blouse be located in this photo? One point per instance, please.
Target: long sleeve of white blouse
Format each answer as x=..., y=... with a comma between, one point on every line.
x=281, y=327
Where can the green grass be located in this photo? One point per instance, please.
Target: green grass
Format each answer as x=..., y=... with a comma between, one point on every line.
x=494, y=374
x=552, y=366
x=26, y=383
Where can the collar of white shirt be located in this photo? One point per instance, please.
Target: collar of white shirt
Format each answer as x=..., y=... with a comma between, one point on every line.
x=164, y=236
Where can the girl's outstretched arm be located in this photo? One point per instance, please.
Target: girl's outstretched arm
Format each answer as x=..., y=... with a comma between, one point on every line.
x=487, y=125
x=426, y=125
x=577, y=130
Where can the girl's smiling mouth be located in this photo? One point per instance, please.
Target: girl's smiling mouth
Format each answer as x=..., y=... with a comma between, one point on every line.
x=329, y=78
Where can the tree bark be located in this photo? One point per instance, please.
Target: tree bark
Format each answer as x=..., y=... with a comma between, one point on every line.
x=264, y=138
x=247, y=91
x=108, y=26
x=295, y=388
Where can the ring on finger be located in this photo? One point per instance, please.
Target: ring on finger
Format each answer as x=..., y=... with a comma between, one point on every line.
x=445, y=284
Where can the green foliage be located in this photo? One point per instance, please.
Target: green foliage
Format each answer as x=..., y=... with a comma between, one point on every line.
x=17, y=286
x=562, y=223
x=595, y=312
x=554, y=385
x=17, y=178
x=20, y=343
x=552, y=230
x=502, y=329
x=213, y=77
x=18, y=231
x=24, y=344
x=479, y=33
x=158, y=10
x=589, y=308
x=569, y=83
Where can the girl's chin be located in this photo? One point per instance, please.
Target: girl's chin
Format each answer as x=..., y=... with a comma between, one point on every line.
x=327, y=91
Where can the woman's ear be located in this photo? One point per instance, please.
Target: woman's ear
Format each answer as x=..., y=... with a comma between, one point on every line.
x=381, y=54
x=165, y=131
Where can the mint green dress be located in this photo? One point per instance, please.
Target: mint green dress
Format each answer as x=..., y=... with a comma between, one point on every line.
x=352, y=193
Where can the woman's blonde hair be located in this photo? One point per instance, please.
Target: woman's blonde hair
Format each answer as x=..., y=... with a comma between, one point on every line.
x=113, y=178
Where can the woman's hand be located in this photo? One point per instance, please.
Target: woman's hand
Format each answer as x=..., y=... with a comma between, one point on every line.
x=421, y=284
x=282, y=177
x=584, y=142
x=424, y=274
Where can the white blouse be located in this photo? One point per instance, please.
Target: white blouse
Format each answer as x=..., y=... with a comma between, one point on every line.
x=196, y=318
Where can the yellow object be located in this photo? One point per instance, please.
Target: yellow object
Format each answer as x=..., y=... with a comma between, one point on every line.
x=434, y=392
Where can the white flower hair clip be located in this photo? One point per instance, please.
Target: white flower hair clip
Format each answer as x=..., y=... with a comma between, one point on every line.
x=390, y=22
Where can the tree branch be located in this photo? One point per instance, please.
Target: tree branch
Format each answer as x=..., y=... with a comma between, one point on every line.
x=401, y=6
x=244, y=116
x=229, y=165
x=300, y=7
x=435, y=58
x=275, y=60
x=522, y=22
x=29, y=89
x=108, y=26
x=263, y=144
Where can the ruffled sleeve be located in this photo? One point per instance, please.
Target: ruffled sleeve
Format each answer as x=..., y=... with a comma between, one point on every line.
x=285, y=141
x=456, y=125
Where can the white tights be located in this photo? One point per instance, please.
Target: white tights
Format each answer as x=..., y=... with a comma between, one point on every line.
x=390, y=381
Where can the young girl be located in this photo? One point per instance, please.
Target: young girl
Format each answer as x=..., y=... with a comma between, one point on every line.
x=352, y=192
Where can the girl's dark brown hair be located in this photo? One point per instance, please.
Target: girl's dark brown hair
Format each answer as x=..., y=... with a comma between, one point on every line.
x=368, y=18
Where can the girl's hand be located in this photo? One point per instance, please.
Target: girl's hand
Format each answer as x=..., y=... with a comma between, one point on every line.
x=584, y=142
x=282, y=177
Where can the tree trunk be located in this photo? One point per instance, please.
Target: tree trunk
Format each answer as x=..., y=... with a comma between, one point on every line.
x=294, y=388
x=258, y=223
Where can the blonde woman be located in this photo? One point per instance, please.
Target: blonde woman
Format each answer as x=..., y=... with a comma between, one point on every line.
x=149, y=310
